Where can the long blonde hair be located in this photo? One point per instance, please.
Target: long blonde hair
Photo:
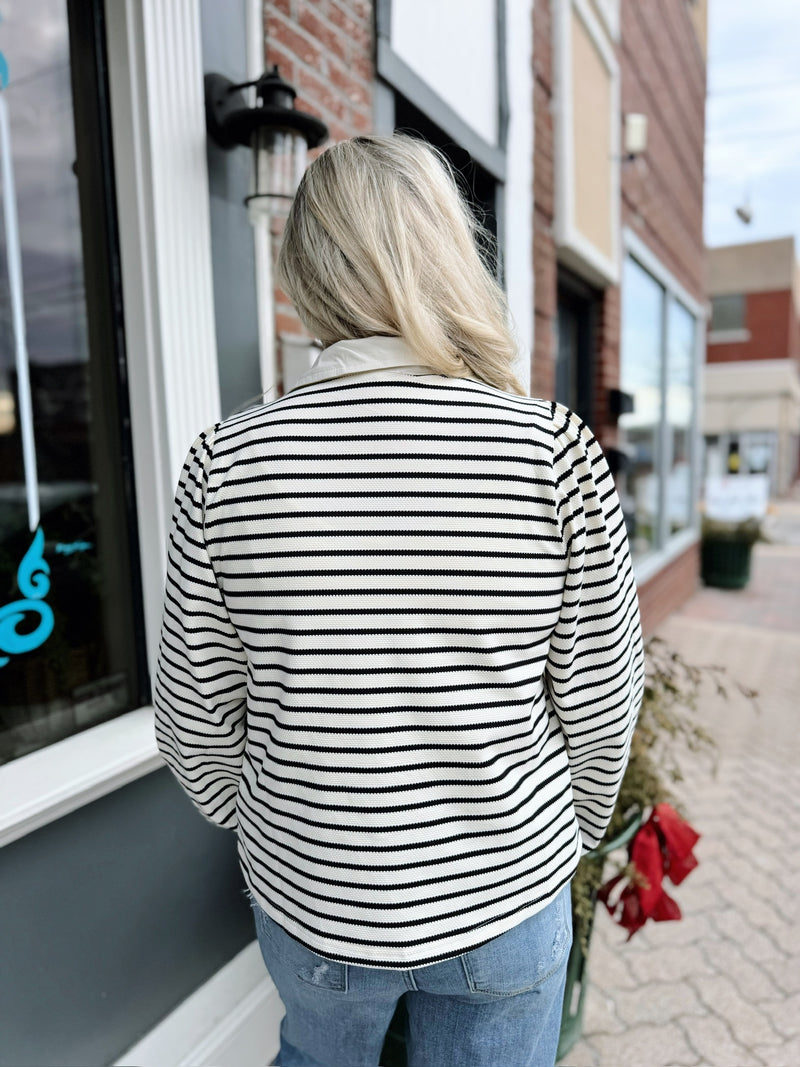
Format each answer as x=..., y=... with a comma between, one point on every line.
x=380, y=241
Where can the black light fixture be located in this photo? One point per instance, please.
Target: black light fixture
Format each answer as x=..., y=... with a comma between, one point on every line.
x=276, y=132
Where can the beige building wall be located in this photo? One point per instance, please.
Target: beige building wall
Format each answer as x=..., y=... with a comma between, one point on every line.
x=586, y=128
x=592, y=140
x=698, y=10
x=758, y=267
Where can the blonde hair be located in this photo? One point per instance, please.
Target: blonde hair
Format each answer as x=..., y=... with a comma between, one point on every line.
x=380, y=241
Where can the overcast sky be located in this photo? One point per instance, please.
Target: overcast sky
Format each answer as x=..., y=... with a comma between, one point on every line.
x=753, y=120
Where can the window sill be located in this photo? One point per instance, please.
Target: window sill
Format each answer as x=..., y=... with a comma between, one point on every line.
x=39, y=788
x=727, y=337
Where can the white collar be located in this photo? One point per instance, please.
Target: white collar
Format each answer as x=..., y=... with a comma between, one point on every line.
x=361, y=355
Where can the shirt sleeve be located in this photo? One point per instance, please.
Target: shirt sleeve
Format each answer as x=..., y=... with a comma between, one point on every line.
x=595, y=666
x=200, y=690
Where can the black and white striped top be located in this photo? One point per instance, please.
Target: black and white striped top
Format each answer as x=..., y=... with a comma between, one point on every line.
x=401, y=653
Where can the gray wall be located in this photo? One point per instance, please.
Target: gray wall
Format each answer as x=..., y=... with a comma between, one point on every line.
x=224, y=43
x=109, y=918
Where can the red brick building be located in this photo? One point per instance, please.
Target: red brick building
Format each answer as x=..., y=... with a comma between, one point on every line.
x=620, y=278
x=598, y=218
x=751, y=414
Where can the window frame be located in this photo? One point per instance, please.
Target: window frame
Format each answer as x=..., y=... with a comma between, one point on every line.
x=158, y=142
x=740, y=325
x=104, y=356
x=393, y=69
x=670, y=547
x=509, y=162
x=575, y=249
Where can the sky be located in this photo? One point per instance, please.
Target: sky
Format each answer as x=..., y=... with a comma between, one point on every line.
x=753, y=120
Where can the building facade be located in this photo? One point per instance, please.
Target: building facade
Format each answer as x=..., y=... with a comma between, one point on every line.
x=620, y=297
x=751, y=409
x=138, y=308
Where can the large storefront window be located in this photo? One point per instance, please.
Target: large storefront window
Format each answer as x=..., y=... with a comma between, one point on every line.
x=69, y=595
x=658, y=370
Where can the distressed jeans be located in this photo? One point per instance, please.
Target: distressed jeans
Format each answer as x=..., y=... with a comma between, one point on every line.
x=496, y=1006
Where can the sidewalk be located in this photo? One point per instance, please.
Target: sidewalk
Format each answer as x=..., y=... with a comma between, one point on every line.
x=722, y=986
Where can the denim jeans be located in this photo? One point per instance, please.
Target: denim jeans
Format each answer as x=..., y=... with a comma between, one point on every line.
x=496, y=1006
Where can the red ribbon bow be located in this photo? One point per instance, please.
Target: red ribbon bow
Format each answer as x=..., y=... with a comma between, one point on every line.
x=663, y=846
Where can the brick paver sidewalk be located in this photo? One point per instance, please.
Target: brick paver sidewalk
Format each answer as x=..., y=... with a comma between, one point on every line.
x=722, y=986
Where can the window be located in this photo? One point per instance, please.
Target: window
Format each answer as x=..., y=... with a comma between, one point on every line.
x=728, y=312
x=659, y=338
x=477, y=185
x=224, y=48
x=70, y=627
x=679, y=415
x=577, y=304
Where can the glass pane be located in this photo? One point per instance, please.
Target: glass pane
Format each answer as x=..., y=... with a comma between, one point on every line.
x=224, y=49
x=67, y=653
x=642, y=331
x=567, y=349
x=680, y=401
x=727, y=312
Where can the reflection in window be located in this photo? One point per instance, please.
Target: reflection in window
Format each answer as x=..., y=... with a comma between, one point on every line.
x=642, y=330
x=658, y=368
x=679, y=415
x=67, y=649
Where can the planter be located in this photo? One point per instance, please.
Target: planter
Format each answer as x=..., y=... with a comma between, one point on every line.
x=725, y=552
x=577, y=984
x=725, y=564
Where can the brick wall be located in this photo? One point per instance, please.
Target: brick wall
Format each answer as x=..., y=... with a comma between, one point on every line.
x=670, y=588
x=663, y=76
x=770, y=318
x=324, y=48
x=544, y=258
x=607, y=367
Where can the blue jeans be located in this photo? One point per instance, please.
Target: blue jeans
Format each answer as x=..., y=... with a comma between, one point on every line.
x=499, y=1004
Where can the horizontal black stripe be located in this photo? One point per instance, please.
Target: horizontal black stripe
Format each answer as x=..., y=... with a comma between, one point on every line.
x=474, y=707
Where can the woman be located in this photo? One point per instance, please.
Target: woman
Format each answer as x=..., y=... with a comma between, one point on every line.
x=401, y=653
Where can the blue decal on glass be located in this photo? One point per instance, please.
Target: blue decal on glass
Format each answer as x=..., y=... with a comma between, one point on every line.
x=34, y=584
x=69, y=548
x=32, y=574
x=3, y=72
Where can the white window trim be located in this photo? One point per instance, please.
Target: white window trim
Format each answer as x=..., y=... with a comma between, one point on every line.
x=610, y=14
x=518, y=242
x=262, y=239
x=650, y=564
x=39, y=788
x=728, y=337
x=653, y=563
x=635, y=246
x=575, y=250
x=158, y=120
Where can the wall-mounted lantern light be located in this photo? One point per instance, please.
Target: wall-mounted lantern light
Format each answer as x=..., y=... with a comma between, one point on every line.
x=635, y=135
x=277, y=133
